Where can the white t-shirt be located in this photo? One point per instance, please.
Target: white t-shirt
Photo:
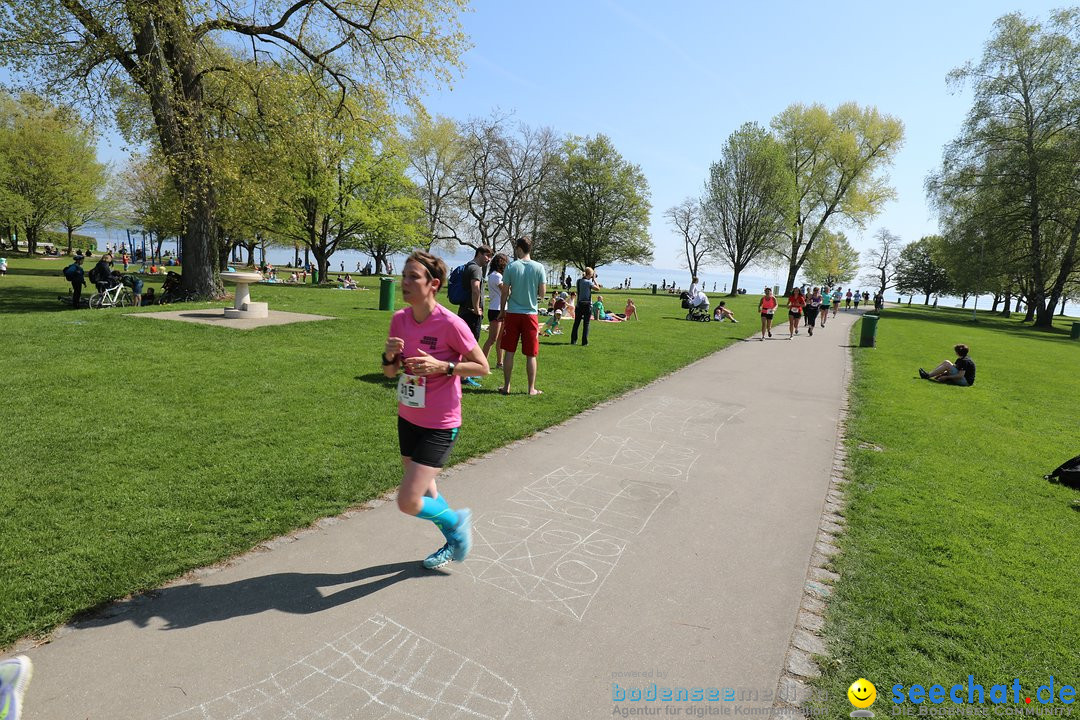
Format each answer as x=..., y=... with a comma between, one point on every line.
x=494, y=295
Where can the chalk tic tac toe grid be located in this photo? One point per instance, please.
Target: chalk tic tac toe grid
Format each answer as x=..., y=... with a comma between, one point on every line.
x=378, y=671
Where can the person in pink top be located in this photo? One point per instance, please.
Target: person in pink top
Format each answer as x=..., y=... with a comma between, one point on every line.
x=429, y=349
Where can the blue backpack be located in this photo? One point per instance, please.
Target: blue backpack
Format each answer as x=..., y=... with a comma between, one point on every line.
x=71, y=272
x=456, y=290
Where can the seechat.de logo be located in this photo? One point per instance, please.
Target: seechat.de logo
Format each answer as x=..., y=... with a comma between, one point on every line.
x=862, y=695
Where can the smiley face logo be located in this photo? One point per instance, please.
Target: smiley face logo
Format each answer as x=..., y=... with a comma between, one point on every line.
x=862, y=693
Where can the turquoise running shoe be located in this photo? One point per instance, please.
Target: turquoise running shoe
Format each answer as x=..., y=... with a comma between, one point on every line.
x=435, y=560
x=462, y=535
x=15, y=675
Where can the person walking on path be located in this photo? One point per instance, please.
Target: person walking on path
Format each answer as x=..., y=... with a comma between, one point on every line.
x=767, y=307
x=826, y=301
x=472, y=310
x=522, y=285
x=583, y=308
x=432, y=349
x=795, y=303
x=75, y=275
x=494, y=313
x=813, y=306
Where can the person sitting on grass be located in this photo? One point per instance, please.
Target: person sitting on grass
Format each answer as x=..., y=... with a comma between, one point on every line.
x=149, y=298
x=722, y=313
x=598, y=308
x=961, y=372
x=631, y=310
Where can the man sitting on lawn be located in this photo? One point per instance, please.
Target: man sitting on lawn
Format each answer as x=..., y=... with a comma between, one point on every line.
x=961, y=372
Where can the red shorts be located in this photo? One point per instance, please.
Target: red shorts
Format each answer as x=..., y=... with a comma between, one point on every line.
x=527, y=327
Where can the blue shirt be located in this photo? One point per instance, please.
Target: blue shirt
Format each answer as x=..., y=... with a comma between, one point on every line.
x=524, y=278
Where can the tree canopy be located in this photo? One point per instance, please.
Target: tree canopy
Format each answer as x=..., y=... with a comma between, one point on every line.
x=1010, y=181
x=595, y=208
x=158, y=54
x=836, y=162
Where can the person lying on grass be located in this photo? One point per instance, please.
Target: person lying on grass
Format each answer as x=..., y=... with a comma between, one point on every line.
x=961, y=372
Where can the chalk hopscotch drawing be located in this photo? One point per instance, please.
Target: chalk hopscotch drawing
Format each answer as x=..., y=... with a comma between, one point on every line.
x=380, y=670
x=553, y=562
x=587, y=494
x=661, y=458
x=703, y=422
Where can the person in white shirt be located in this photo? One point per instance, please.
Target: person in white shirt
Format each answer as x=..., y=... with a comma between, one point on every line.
x=498, y=265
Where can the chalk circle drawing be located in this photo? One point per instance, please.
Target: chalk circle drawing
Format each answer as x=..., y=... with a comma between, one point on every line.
x=694, y=420
x=659, y=458
x=587, y=494
x=380, y=670
x=556, y=563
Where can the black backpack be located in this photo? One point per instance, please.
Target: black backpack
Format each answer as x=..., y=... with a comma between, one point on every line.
x=1068, y=473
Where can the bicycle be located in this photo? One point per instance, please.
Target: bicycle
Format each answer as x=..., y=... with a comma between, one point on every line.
x=118, y=295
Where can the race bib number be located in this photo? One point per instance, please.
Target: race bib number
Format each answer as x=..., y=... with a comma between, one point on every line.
x=411, y=390
x=770, y=311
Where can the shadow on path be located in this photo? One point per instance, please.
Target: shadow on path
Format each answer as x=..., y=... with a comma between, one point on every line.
x=185, y=606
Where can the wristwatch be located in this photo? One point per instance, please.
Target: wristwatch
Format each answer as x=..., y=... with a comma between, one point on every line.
x=450, y=365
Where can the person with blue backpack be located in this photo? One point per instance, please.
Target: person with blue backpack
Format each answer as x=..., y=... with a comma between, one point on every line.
x=75, y=275
x=465, y=289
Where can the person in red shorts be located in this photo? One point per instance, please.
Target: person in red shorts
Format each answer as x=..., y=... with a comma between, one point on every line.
x=522, y=286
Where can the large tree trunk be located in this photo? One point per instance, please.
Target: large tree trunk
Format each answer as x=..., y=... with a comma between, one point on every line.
x=735, y=282
x=200, y=230
x=1068, y=265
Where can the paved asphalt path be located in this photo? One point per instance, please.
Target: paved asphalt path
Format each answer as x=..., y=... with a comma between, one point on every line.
x=662, y=539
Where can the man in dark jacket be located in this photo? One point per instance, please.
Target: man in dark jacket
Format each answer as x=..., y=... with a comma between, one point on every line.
x=99, y=274
x=77, y=277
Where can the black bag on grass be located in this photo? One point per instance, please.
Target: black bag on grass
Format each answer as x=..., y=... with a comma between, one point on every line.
x=1068, y=473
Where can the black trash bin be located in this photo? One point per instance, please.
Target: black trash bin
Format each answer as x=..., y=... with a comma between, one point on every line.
x=868, y=337
x=654, y=288
x=1075, y=335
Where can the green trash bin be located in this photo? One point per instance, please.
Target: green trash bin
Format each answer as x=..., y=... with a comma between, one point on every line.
x=868, y=338
x=386, y=294
x=654, y=288
x=314, y=276
x=1075, y=335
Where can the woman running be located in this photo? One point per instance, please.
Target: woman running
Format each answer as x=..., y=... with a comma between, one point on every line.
x=767, y=307
x=498, y=265
x=795, y=304
x=433, y=348
x=813, y=306
x=826, y=301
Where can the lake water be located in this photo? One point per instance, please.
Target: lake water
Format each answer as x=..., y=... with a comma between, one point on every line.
x=713, y=279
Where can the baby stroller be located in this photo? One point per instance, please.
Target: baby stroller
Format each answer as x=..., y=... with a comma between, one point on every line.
x=698, y=312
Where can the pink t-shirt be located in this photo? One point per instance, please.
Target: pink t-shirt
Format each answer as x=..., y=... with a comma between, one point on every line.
x=444, y=336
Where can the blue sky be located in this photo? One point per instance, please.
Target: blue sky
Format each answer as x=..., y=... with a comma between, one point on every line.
x=668, y=82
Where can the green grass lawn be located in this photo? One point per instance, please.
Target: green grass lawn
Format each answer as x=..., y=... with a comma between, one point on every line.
x=137, y=449
x=959, y=558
